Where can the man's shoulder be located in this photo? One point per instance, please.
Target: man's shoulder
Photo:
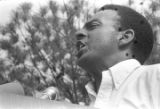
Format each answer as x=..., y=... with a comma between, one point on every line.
x=154, y=67
x=150, y=71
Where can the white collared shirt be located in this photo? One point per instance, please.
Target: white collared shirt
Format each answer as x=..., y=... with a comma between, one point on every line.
x=132, y=86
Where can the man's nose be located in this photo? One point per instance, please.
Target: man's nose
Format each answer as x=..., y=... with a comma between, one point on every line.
x=81, y=34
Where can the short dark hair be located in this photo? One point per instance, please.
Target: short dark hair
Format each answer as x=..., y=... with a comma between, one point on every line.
x=130, y=19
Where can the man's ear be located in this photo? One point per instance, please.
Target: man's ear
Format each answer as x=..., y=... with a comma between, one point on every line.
x=126, y=37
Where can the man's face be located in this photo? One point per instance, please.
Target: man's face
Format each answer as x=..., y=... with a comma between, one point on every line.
x=97, y=40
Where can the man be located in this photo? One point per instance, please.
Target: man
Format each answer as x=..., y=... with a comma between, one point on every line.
x=112, y=45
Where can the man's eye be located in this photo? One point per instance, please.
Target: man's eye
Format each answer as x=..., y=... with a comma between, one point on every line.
x=92, y=26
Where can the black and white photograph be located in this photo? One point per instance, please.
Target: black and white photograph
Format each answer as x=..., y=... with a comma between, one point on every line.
x=79, y=54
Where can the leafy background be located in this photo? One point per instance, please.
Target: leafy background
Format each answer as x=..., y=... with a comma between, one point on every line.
x=38, y=48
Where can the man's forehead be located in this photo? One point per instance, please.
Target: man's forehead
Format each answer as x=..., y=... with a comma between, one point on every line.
x=106, y=14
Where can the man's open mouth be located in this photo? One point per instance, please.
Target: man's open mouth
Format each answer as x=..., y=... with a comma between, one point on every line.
x=80, y=45
x=81, y=48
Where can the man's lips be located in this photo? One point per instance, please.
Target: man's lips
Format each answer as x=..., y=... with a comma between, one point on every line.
x=80, y=45
x=81, y=48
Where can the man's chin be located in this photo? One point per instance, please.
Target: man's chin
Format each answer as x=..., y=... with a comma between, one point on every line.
x=84, y=62
x=81, y=61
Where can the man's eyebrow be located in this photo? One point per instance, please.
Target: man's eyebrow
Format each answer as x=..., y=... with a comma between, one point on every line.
x=90, y=22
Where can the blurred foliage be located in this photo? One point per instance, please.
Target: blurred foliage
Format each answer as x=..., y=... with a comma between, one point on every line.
x=154, y=18
x=38, y=48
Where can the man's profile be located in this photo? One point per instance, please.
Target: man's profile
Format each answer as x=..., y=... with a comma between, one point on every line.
x=112, y=45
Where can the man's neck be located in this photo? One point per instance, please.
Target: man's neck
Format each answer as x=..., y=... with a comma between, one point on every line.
x=115, y=58
x=97, y=71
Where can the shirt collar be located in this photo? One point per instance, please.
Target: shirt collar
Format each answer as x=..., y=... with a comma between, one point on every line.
x=122, y=70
